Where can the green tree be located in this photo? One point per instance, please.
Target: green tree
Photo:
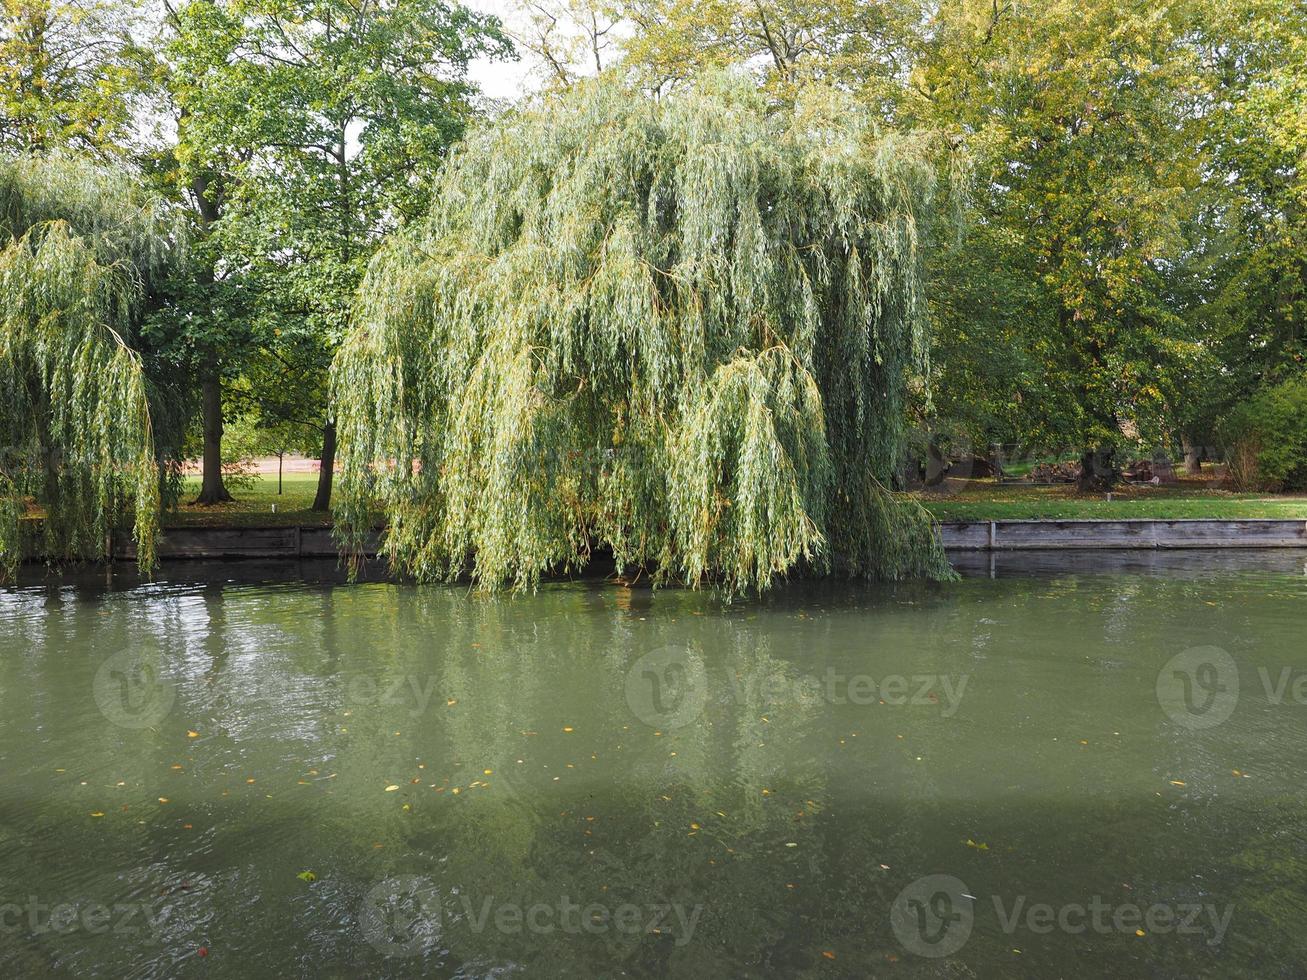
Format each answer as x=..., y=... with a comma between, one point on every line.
x=865, y=47
x=84, y=255
x=1083, y=119
x=627, y=325
x=70, y=75
x=1253, y=259
x=325, y=118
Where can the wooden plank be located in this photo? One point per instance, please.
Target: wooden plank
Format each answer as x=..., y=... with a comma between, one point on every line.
x=1132, y=533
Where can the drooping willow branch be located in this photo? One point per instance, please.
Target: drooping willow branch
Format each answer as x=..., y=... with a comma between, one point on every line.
x=79, y=246
x=680, y=329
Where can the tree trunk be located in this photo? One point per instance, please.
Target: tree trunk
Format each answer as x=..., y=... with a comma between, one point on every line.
x=1191, y=464
x=322, y=501
x=1098, y=470
x=212, y=490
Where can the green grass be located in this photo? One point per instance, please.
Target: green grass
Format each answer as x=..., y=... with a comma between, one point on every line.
x=979, y=500
x=987, y=501
x=253, y=506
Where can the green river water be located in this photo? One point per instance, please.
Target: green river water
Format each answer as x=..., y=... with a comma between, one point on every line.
x=1076, y=765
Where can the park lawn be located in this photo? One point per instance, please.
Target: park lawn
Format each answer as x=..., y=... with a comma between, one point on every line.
x=253, y=505
x=985, y=500
x=975, y=500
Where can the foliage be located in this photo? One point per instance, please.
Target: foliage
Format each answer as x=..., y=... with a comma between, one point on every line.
x=1255, y=259
x=83, y=250
x=676, y=328
x=1267, y=436
x=325, y=119
x=864, y=47
x=1083, y=119
x=70, y=75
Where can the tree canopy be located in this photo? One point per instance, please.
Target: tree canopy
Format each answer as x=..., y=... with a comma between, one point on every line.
x=676, y=328
x=82, y=251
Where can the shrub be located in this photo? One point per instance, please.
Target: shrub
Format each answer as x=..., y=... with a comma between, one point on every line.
x=1266, y=438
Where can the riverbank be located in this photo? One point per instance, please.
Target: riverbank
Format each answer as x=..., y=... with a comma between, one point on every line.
x=986, y=500
x=973, y=515
x=975, y=500
x=297, y=541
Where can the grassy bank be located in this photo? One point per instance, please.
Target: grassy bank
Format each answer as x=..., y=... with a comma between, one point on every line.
x=987, y=501
x=253, y=506
x=978, y=500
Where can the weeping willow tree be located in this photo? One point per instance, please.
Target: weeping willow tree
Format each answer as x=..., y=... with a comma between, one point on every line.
x=81, y=251
x=679, y=329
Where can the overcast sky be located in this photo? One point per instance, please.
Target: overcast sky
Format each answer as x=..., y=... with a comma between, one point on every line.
x=500, y=80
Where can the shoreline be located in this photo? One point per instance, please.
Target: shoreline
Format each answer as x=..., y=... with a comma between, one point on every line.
x=300, y=541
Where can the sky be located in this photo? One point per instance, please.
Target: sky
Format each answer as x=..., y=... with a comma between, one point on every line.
x=500, y=80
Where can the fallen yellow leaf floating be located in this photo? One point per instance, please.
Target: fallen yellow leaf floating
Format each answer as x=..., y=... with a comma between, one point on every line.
x=192, y=734
x=1177, y=782
x=979, y=847
x=391, y=788
x=828, y=954
x=163, y=799
x=307, y=876
x=567, y=728
x=98, y=813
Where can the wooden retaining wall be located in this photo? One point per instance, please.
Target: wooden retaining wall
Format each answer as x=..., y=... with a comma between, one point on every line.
x=317, y=542
x=240, y=542
x=1117, y=534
